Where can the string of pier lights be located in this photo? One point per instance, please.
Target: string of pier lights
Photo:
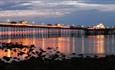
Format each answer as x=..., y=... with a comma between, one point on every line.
x=24, y=23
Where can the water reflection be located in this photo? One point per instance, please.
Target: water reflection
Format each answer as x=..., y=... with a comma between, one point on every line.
x=63, y=43
x=96, y=44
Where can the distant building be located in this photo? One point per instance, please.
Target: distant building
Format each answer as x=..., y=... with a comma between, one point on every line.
x=75, y=26
x=60, y=25
x=49, y=24
x=98, y=26
x=13, y=22
x=23, y=22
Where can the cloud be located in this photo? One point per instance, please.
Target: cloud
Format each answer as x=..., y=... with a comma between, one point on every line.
x=50, y=7
x=29, y=13
x=98, y=7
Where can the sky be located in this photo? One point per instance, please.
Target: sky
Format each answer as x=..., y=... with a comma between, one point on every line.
x=78, y=12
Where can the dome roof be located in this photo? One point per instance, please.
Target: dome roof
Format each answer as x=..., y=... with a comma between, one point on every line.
x=99, y=26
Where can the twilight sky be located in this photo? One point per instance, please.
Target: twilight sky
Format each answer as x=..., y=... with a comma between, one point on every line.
x=84, y=12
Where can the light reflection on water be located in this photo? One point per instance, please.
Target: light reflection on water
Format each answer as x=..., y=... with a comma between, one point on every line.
x=95, y=44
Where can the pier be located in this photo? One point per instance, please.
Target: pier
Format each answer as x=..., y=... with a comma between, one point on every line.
x=11, y=30
x=8, y=30
x=107, y=31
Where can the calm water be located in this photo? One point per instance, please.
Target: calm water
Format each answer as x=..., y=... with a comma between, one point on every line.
x=88, y=45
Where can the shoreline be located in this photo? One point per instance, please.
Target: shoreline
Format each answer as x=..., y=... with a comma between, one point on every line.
x=52, y=59
x=73, y=63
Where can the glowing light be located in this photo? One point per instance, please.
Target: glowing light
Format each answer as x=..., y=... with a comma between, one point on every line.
x=99, y=44
x=99, y=26
x=9, y=53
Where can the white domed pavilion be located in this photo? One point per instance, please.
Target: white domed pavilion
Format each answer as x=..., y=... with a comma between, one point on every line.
x=99, y=26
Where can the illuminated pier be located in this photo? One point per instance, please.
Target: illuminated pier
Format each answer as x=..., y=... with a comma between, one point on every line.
x=12, y=30
x=22, y=29
x=99, y=29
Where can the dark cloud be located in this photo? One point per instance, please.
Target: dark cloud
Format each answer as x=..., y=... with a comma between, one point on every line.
x=54, y=8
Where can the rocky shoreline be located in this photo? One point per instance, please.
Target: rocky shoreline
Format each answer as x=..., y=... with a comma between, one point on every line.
x=106, y=63
x=52, y=59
